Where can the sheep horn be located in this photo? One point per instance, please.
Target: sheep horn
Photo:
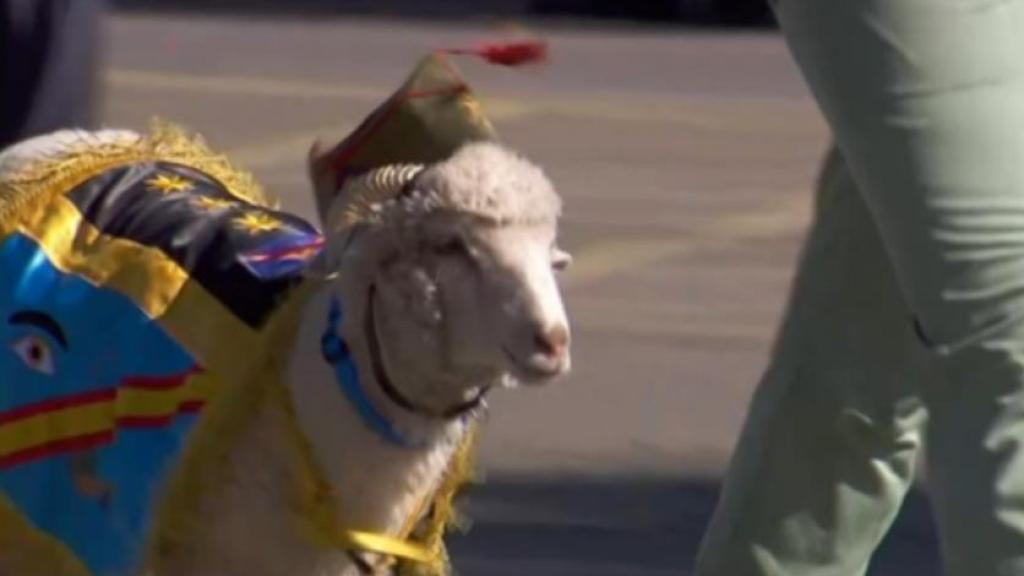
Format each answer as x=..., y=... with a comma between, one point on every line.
x=361, y=194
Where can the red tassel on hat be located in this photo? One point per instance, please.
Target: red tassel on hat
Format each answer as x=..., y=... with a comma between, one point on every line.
x=508, y=53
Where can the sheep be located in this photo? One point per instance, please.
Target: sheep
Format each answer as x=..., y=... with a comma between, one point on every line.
x=454, y=280
x=436, y=285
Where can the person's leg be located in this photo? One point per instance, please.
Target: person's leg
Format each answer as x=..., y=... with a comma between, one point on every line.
x=48, y=66
x=827, y=451
x=975, y=468
x=926, y=100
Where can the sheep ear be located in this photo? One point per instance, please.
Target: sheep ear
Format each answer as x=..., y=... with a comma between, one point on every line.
x=560, y=259
x=323, y=177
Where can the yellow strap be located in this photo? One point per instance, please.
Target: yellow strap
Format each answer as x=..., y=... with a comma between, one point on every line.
x=383, y=544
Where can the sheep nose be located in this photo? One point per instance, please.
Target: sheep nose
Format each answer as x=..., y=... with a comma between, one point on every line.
x=552, y=341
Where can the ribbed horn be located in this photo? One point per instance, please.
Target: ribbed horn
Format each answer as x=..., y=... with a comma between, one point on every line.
x=361, y=193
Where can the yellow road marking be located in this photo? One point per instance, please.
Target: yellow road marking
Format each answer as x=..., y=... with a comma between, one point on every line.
x=498, y=109
x=234, y=85
x=735, y=113
x=710, y=329
x=605, y=259
x=291, y=147
x=594, y=262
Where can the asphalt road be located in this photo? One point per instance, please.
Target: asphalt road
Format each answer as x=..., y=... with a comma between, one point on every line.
x=685, y=159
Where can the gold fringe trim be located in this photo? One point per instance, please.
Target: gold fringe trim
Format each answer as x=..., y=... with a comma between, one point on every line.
x=30, y=188
x=442, y=511
x=202, y=469
x=28, y=551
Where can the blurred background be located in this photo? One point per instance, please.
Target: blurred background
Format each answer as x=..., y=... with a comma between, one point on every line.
x=685, y=145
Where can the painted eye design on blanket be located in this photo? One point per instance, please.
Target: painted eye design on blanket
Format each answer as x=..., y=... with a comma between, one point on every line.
x=35, y=352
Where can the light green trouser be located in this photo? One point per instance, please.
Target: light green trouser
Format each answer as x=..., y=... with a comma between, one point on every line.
x=923, y=223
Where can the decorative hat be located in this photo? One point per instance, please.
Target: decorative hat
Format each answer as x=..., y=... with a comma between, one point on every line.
x=425, y=121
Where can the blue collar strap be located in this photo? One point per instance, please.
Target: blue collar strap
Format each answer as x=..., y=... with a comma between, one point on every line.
x=336, y=352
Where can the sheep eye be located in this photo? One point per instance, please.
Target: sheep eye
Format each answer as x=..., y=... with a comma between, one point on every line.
x=452, y=247
x=560, y=260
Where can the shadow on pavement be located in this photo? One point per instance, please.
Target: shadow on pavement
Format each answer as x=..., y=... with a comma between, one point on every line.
x=628, y=527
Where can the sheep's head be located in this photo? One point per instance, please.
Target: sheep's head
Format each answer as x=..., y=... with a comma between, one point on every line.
x=463, y=261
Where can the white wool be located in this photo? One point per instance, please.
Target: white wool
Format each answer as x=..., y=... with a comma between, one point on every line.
x=58, y=144
x=491, y=181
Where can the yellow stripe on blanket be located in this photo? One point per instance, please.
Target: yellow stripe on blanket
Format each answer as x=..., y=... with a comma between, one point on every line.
x=39, y=434
x=91, y=418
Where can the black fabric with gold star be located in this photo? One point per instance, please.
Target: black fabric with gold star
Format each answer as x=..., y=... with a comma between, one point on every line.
x=246, y=256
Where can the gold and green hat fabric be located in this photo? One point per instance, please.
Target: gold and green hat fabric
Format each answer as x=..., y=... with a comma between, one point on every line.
x=426, y=120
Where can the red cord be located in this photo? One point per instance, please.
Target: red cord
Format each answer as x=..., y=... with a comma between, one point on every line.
x=508, y=53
